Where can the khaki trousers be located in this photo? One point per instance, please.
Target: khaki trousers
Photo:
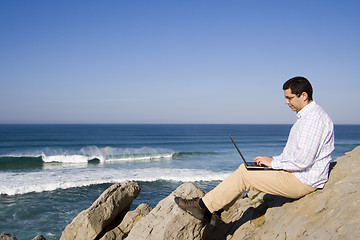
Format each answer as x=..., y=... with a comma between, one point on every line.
x=274, y=182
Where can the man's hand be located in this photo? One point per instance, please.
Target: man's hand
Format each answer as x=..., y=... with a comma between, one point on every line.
x=264, y=161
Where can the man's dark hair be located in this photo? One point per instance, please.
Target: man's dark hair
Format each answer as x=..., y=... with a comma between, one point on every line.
x=298, y=85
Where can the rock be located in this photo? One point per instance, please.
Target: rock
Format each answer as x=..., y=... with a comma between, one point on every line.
x=123, y=229
x=104, y=214
x=168, y=221
x=39, y=237
x=7, y=236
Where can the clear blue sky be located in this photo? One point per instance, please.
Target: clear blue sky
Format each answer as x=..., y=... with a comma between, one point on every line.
x=175, y=61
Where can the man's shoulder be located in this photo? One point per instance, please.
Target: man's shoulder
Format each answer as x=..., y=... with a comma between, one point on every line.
x=317, y=113
x=316, y=109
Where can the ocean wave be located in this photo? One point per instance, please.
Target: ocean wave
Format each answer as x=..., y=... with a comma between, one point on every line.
x=20, y=162
x=91, y=154
x=105, y=158
x=84, y=155
x=22, y=183
x=190, y=154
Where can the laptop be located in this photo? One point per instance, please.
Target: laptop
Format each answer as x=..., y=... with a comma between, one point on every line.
x=250, y=165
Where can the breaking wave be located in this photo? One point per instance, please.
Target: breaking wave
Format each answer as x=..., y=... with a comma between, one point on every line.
x=14, y=183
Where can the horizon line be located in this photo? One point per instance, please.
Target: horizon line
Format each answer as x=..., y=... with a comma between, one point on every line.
x=163, y=123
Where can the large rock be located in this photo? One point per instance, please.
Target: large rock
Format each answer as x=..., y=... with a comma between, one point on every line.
x=123, y=229
x=7, y=236
x=104, y=214
x=168, y=221
x=39, y=237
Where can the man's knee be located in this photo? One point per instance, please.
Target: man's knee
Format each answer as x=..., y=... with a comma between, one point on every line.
x=242, y=167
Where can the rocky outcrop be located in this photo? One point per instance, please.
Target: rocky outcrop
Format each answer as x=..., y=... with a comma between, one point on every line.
x=168, y=221
x=39, y=237
x=7, y=236
x=132, y=217
x=330, y=213
x=104, y=214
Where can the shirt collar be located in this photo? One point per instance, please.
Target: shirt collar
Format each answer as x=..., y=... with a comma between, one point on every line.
x=306, y=109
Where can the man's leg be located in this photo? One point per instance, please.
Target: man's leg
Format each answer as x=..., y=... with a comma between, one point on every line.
x=274, y=182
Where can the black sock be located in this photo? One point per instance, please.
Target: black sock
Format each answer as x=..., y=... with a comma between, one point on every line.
x=202, y=204
x=218, y=212
x=207, y=215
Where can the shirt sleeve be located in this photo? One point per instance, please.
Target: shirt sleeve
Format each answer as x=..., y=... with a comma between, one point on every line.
x=302, y=146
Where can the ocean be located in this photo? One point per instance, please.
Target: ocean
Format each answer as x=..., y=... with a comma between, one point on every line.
x=50, y=173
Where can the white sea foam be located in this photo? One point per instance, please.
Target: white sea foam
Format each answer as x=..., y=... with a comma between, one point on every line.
x=105, y=158
x=71, y=155
x=106, y=154
x=65, y=158
x=20, y=183
x=146, y=158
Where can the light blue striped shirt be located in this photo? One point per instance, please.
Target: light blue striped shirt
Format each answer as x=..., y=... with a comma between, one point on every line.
x=307, y=152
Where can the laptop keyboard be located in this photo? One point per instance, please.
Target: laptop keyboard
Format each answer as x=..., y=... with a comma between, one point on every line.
x=251, y=163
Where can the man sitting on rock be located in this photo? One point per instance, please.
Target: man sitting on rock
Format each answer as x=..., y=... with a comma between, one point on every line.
x=302, y=167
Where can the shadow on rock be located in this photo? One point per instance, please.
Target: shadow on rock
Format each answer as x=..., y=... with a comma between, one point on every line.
x=221, y=230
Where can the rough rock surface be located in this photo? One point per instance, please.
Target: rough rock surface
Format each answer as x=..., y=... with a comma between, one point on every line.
x=39, y=237
x=7, y=236
x=104, y=213
x=123, y=229
x=168, y=221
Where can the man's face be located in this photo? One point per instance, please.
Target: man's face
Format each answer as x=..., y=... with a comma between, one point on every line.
x=294, y=102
